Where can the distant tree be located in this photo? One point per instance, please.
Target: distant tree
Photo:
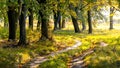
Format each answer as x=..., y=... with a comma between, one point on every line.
x=63, y=22
x=31, y=18
x=89, y=22
x=111, y=4
x=111, y=17
x=57, y=20
x=39, y=22
x=57, y=15
x=82, y=11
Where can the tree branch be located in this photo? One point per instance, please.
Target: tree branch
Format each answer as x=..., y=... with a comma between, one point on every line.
x=84, y=6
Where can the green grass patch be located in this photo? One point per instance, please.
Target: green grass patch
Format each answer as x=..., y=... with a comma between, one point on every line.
x=64, y=38
x=105, y=57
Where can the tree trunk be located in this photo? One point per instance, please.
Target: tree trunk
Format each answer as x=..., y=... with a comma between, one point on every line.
x=45, y=31
x=12, y=19
x=63, y=23
x=31, y=19
x=38, y=25
x=39, y=21
x=46, y=34
x=12, y=24
x=55, y=21
x=89, y=22
x=111, y=17
x=83, y=21
x=59, y=19
x=83, y=26
x=75, y=24
x=22, y=23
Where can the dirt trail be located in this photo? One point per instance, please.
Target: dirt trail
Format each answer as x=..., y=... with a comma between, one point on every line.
x=34, y=63
x=79, y=62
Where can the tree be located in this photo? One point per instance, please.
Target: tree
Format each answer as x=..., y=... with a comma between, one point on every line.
x=44, y=14
x=89, y=22
x=30, y=18
x=111, y=17
x=57, y=15
x=82, y=17
x=75, y=24
x=63, y=22
x=111, y=14
x=13, y=16
x=39, y=22
x=74, y=19
x=57, y=20
x=22, y=23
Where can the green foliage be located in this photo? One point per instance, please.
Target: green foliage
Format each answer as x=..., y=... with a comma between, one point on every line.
x=43, y=48
x=107, y=57
x=57, y=62
x=3, y=33
x=8, y=59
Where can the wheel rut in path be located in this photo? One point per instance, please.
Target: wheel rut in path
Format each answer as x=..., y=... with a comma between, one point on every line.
x=78, y=62
x=34, y=63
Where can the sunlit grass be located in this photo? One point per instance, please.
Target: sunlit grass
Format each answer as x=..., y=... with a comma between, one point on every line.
x=65, y=38
x=107, y=57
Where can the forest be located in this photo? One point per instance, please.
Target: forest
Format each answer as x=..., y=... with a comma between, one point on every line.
x=59, y=33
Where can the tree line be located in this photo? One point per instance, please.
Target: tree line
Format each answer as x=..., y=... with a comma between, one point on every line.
x=18, y=10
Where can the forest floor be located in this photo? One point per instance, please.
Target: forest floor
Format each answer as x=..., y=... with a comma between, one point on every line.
x=103, y=56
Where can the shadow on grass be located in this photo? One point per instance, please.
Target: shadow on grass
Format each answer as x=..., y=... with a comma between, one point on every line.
x=106, y=64
x=81, y=35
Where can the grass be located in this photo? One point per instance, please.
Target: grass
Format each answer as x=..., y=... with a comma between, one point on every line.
x=107, y=57
x=102, y=58
x=64, y=38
